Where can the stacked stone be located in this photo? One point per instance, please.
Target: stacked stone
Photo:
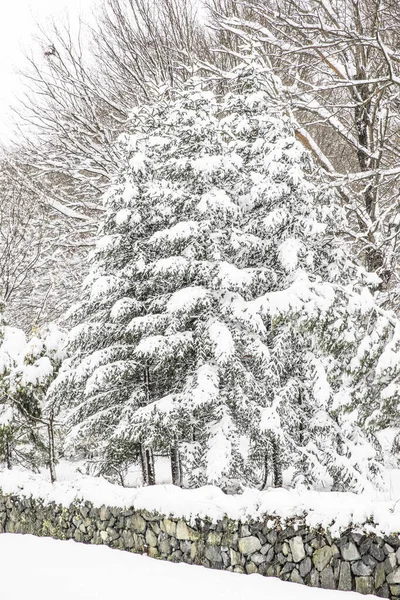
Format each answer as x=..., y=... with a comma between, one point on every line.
x=356, y=561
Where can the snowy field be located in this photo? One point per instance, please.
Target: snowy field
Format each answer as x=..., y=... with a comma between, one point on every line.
x=70, y=571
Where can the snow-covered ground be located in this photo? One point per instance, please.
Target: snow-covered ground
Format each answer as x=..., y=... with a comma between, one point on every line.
x=45, y=569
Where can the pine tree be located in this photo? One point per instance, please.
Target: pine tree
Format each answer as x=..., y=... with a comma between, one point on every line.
x=222, y=321
x=27, y=368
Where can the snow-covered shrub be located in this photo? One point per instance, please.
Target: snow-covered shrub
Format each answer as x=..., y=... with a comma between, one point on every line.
x=223, y=321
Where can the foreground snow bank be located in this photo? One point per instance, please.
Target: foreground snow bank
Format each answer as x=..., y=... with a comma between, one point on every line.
x=333, y=511
x=71, y=571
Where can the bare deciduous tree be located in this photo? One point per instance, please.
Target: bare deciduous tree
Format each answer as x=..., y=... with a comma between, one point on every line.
x=40, y=254
x=339, y=62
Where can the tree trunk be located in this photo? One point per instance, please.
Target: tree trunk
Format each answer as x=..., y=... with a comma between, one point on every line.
x=143, y=462
x=150, y=467
x=146, y=454
x=52, y=454
x=276, y=460
x=176, y=465
x=266, y=470
x=8, y=455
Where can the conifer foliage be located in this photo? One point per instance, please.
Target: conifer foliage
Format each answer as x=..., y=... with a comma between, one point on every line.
x=27, y=367
x=220, y=324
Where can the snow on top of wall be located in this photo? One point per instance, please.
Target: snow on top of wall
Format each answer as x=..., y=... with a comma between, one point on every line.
x=331, y=510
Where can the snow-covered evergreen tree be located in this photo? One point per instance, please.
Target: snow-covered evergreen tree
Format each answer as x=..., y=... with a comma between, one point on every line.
x=222, y=321
x=27, y=368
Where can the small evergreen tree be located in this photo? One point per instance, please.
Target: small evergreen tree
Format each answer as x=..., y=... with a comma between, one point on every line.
x=222, y=321
x=26, y=371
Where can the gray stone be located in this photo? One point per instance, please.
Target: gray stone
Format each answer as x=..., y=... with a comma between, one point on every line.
x=149, y=516
x=127, y=539
x=377, y=552
x=322, y=557
x=390, y=563
x=349, y=552
x=183, y=532
x=235, y=557
x=186, y=546
x=314, y=578
x=272, y=536
x=383, y=592
x=251, y=568
x=295, y=577
x=380, y=576
x=360, y=569
x=287, y=568
x=327, y=579
x=176, y=556
x=238, y=569
x=138, y=542
x=193, y=551
x=335, y=550
x=138, y=524
x=364, y=585
x=271, y=572
x=164, y=546
x=365, y=546
x=225, y=560
x=174, y=543
x=249, y=545
x=281, y=559
x=169, y=527
x=305, y=566
x=269, y=557
x=153, y=552
x=104, y=536
x=345, y=579
x=393, y=577
x=369, y=560
x=395, y=590
x=297, y=549
x=78, y=537
x=213, y=554
x=214, y=538
x=266, y=548
x=151, y=539
x=155, y=527
x=258, y=558
x=285, y=549
x=100, y=525
x=104, y=513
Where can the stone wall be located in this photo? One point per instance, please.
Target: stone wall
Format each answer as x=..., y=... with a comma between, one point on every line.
x=355, y=561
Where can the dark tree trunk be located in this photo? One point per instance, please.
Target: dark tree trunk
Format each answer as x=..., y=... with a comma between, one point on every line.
x=176, y=470
x=266, y=470
x=52, y=452
x=144, y=466
x=151, y=471
x=8, y=455
x=277, y=465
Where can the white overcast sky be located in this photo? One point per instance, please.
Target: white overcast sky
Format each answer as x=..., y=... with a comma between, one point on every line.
x=18, y=20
